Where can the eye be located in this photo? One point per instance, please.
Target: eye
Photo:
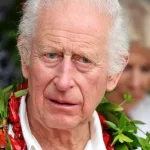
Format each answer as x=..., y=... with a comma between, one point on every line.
x=52, y=59
x=145, y=69
x=82, y=63
x=81, y=59
x=128, y=68
x=52, y=55
x=85, y=60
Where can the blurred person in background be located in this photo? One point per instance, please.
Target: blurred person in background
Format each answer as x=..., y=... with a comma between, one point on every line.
x=136, y=77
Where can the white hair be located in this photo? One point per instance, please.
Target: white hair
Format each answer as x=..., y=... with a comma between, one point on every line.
x=117, y=41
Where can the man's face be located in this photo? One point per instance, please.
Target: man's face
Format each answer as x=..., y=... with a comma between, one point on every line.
x=68, y=67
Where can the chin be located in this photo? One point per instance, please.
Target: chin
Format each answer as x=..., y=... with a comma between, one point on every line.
x=62, y=123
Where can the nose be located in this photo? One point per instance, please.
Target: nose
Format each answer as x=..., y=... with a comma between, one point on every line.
x=64, y=76
x=135, y=81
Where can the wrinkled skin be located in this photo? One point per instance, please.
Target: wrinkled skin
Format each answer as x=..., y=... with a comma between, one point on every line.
x=68, y=70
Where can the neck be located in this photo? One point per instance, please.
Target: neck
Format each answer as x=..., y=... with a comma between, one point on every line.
x=57, y=139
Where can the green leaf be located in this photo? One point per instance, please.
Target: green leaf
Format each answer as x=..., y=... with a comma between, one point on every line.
x=103, y=107
x=5, y=95
x=135, y=139
x=137, y=122
x=9, y=145
x=130, y=128
x=1, y=103
x=116, y=138
x=122, y=121
x=128, y=97
x=148, y=135
x=121, y=139
x=104, y=100
x=145, y=143
x=21, y=93
x=124, y=138
x=112, y=125
x=8, y=88
x=111, y=117
x=121, y=147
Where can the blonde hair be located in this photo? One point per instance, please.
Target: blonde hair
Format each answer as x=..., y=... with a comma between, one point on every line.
x=138, y=14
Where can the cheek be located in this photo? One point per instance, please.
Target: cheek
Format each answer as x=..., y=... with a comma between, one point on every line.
x=95, y=88
x=39, y=78
x=146, y=82
x=125, y=77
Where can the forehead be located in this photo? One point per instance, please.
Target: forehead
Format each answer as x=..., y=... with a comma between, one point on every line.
x=75, y=18
x=139, y=54
x=139, y=59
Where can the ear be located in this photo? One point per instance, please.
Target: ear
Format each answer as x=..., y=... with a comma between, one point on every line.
x=113, y=80
x=22, y=44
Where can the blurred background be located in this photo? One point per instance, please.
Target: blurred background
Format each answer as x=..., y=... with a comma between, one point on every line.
x=10, y=12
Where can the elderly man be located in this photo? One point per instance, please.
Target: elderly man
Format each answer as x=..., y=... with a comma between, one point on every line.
x=71, y=53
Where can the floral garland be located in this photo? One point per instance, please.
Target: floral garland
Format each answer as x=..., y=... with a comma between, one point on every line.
x=10, y=102
x=119, y=132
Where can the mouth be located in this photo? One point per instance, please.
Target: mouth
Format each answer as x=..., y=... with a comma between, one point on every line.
x=66, y=106
x=61, y=103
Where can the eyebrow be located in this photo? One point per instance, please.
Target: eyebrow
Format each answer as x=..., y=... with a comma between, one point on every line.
x=85, y=51
x=90, y=54
x=50, y=45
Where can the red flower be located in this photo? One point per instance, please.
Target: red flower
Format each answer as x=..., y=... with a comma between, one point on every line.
x=17, y=144
x=23, y=86
x=106, y=135
x=102, y=119
x=13, y=114
x=2, y=139
x=109, y=147
x=16, y=128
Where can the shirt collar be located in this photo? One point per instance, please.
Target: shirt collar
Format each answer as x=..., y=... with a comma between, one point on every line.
x=95, y=143
x=30, y=140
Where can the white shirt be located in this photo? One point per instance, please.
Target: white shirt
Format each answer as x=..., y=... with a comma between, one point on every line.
x=141, y=112
x=95, y=143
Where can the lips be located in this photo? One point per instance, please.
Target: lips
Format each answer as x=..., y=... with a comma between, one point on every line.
x=62, y=106
x=61, y=102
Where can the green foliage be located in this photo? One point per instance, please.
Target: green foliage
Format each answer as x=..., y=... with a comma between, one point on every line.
x=9, y=145
x=109, y=107
x=4, y=96
x=122, y=128
x=4, y=99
